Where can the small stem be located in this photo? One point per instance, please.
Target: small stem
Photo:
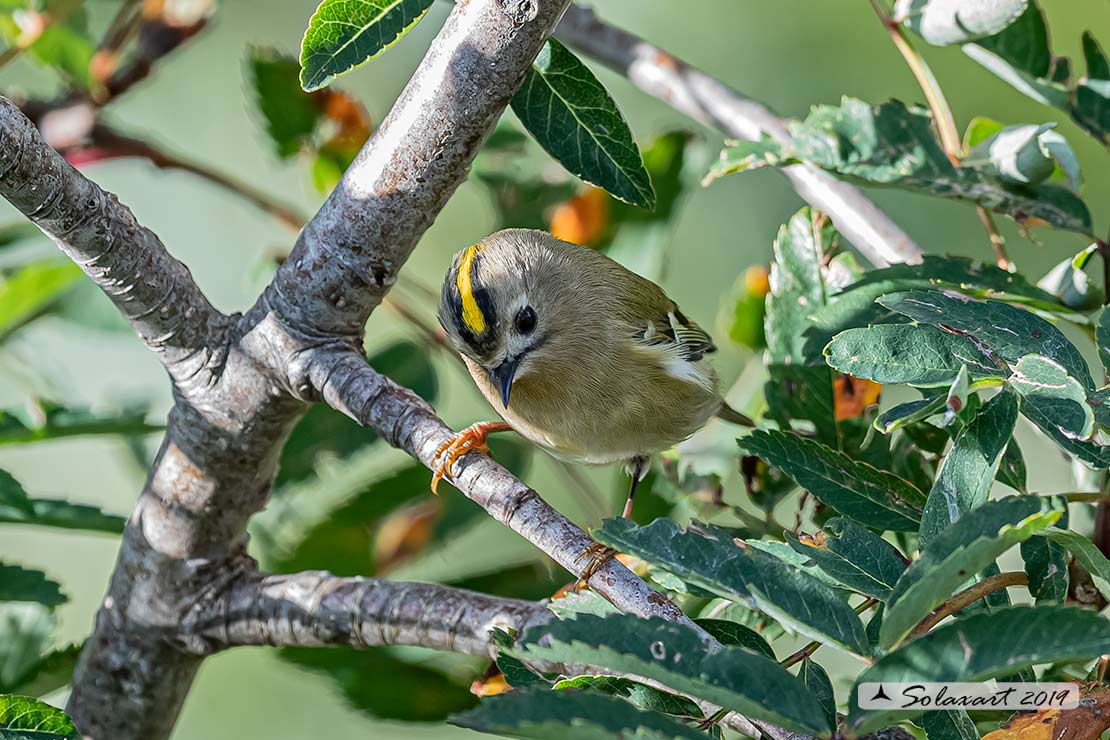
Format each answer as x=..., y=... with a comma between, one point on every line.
x=967, y=597
x=801, y=655
x=943, y=118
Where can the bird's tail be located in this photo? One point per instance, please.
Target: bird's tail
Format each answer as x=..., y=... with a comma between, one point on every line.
x=733, y=416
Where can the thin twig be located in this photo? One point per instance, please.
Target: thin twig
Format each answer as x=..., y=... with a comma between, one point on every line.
x=967, y=597
x=943, y=118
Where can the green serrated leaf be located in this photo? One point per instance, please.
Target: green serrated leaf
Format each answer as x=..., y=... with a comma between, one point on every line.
x=955, y=555
x=345, y=34
x=556, y=715
x=908, y=354
x=945, y=22
x=31, y=290
x=569, y=112
x=733, y=633
x=857, y=490
x=964, y=478
x=291, y=115
x=1059, y=396
x=948, y=725
x=24, y=718
x=797, y=286
x=816, y=679
x=677, y=657
x=908, y=413
x=20, y=584
x=970, y=650
x=854, y=556
x=709, y=559
x=1087, y=555
x=1009, y=331
x=17, y=507
x=640, y=695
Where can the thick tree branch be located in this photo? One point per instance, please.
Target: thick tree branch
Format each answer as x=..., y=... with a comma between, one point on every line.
x=706, y=99
x=152, y=290
x=315, y=608
x=351, y=386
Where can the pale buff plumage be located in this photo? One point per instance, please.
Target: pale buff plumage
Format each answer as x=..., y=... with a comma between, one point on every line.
x=617, y=372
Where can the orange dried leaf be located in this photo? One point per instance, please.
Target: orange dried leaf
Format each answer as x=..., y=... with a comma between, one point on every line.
x=404, y=533
x=852, y=395
x=1088, y=722
x=584, y=219
x=350, y=118
x=757, y=280
x=490, y=685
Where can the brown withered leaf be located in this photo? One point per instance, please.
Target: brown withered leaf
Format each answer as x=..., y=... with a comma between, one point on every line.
x=851, y=396
x=1090, y=720
x=583, y=219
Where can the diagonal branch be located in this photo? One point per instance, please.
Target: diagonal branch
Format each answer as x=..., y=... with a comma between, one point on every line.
x=709, y=101
x=127, y=261
x=404, y=420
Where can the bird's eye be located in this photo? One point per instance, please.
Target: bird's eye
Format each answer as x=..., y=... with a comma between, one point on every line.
x=525, y=320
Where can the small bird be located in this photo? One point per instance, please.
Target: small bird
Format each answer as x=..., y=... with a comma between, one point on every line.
x=578, y=354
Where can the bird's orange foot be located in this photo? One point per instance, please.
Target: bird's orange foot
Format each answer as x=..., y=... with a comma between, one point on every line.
x=599, y=556
x=471, y=438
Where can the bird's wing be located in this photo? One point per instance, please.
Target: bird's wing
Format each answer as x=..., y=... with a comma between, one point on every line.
x=673, y=331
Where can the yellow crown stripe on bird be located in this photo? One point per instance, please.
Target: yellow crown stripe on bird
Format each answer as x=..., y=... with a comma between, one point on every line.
x=472, y=315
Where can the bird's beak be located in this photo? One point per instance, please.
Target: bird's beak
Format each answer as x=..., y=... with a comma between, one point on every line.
x=502, y=377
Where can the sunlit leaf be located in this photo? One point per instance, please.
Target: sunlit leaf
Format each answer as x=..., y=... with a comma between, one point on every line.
x=345, y=34
x=1059, y=396
x=944, y=22
x=24, y=718
x=571, y=115
x=31, y=290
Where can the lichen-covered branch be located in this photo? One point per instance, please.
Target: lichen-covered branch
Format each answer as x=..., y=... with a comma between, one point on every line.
x=405, y=421
x=709, y=101
x=315, y=608
x=152, y=290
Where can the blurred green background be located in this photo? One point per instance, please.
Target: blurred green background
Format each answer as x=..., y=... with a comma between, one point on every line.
x=789, y=54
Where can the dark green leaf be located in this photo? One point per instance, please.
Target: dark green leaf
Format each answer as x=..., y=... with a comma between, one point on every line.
x=17, y=507
x=1021, y=56
x=1009, y=331
x=732, y=633
x=970, y=650
x=291, y=114
x=676, y=656
x=20, y=584
x=816, y=679
x=345, y=34
x=571, y=115
x=907, y=353
x=1060, y=398
x=1011, y=470
x=643, y=696
x=907, y=413
x=56, y=422
x=31, y=290
x=872, y=497
x=711, y=560
x=966, y=473
x=803, y=393
x=1103, y=336
x=1094, y=455
x=1086, y=554
x=1046, y=563
x=24, y=718
x=955, y=555
x=546, y=715
x=948, y=725
x=854, y=556
x=381, y=685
